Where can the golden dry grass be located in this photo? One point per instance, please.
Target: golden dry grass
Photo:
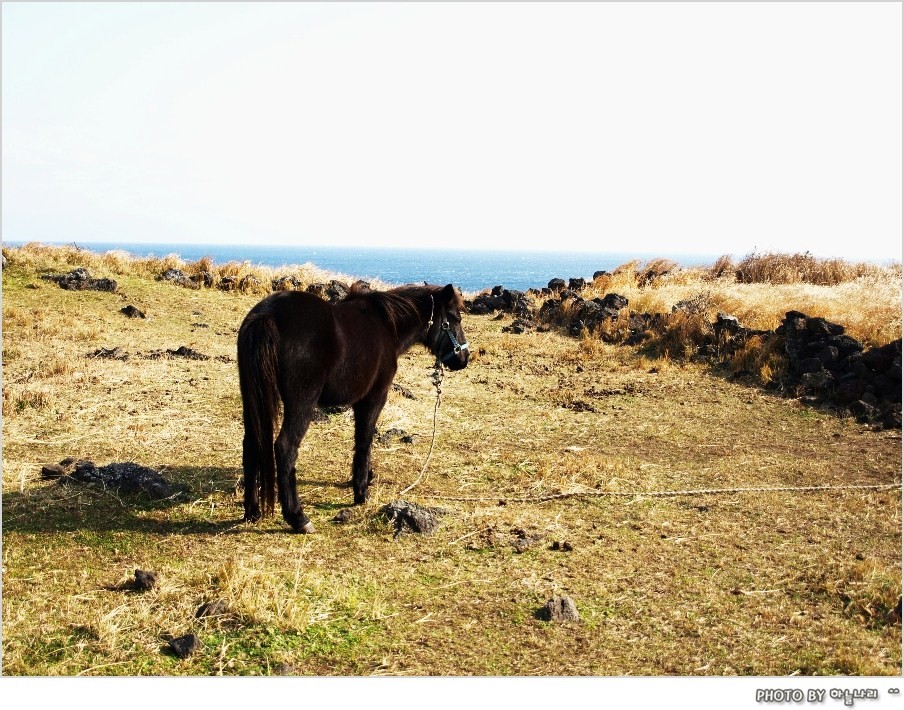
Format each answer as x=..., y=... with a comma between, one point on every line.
x=42, y=259
x=781, y=268
x=869, y=306
x=738, y=583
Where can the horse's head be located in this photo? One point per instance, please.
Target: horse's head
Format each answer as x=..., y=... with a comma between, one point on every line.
x=444, y=337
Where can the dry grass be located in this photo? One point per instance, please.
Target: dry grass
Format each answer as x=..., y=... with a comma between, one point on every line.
x=722, y=267
x=780, y=268
x=869, y=306
x=41, y=259
x=749, y=584
x=760, y=356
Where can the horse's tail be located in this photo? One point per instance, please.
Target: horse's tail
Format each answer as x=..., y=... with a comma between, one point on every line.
x=258, y=350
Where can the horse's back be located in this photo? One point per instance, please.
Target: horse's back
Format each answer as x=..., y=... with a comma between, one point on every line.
x=308, y=341
x=340, y=350
x=288, y=307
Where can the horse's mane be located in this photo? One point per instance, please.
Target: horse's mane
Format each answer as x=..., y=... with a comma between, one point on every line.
x=400, y=304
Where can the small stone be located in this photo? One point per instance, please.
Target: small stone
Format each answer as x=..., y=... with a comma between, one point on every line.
x=186, y=352
x=144, y=580
x=894, y=615
x=559, y=609
x=863, y=411
x=217, y=607
x=404, y=391
x=52, y=471
x=524, y=541
x=344, y=515
x=109, y=354
x=132, y=312
x=388, y=436
x=184, y=646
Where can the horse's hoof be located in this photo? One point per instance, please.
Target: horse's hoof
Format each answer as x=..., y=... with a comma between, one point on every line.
x=252, y=517
x=307, y=528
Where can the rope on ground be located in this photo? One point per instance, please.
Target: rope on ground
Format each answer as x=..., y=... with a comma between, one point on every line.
x=438, y=384
x=660, y=494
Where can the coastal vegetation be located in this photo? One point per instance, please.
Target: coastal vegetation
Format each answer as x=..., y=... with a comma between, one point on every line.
x=701, y=523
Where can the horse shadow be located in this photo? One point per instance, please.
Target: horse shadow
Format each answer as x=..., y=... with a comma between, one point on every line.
x=60, y=506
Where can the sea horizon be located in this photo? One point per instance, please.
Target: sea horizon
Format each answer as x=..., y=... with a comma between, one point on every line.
x=471, y=270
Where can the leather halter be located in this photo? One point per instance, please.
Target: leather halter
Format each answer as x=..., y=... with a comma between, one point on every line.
x=456, y=346
x=447, y=329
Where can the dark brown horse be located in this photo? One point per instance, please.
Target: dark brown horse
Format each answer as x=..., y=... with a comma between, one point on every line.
x=298, y=348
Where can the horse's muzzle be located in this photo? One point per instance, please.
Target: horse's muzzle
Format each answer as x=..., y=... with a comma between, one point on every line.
x=458, y=361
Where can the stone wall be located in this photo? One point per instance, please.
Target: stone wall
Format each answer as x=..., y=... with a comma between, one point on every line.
x=825, y=366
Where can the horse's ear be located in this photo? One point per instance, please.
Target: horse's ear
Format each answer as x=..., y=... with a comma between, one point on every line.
x=451, y=296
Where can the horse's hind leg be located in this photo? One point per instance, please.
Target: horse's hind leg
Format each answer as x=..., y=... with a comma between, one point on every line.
x=251, y=466
x=295, y=424
x=367, y=411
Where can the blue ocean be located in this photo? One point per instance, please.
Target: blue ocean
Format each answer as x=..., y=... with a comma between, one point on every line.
x=470, y=270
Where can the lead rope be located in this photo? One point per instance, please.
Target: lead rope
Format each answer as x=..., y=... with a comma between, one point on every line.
x=438, y=384
x=664, y=494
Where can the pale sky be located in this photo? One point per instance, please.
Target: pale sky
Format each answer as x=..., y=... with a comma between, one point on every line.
x=697, y=128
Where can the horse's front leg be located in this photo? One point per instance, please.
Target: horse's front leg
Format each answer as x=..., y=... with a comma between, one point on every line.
x=367, y=411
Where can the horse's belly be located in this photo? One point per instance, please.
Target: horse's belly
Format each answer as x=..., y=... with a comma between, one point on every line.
x=335, y=398
x=344, y=392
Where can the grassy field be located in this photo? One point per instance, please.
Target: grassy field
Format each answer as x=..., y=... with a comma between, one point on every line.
x=734, y=583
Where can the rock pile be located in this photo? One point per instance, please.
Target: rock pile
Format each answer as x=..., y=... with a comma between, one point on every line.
x=406, y=516
x=248, y=282
x=125, y=477
x=237, y=283
x=502, y=300
x=285, y=283
x=179, y=278
x=182, y=351
x=576, y=314
x=109, y=354
x=334, y=291
x=81, y=280
x=826, y=365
